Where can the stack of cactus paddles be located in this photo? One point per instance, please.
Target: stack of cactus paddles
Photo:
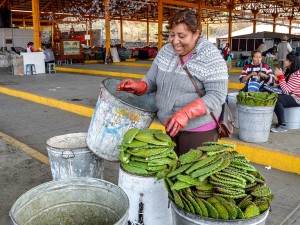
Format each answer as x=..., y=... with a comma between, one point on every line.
x=147, y=152
x=211, y=181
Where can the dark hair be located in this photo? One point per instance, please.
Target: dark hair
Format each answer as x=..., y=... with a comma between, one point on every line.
x=294, y=58
x=187, y=17
x=255, y=51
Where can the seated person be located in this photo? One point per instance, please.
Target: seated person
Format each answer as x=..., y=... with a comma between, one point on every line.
x=289, y=82
x=256, y=71
x=49, y=56
x=30, y=47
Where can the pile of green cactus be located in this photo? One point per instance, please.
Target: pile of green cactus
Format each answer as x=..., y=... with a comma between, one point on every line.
x=147, y=152
x=256, y=98
x=211, y=181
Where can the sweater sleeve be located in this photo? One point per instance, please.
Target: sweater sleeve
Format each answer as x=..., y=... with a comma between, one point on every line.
x=150, y=77
x=292, y=84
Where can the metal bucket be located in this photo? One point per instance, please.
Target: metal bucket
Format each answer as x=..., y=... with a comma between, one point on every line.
x=255, y=122
x=232, y=104
x=292, y=117
x=115, y=113
x=148, y=199
x=70, y=157
x=76, y=201
x=182, y=217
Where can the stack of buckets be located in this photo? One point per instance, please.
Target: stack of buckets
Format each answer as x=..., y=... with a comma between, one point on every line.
x=78, y=195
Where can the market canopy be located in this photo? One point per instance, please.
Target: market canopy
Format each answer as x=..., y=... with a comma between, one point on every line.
x=267, y=35
x=212, y=11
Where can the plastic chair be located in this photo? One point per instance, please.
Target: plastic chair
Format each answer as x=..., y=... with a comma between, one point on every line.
x=51, y=67
x=30, y=69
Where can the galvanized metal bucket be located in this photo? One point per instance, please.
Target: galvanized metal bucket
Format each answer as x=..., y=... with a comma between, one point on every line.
x=148, y=199
x=76, y=201
x=182, y=217
x=292, y=117
x=232, y=104
x=255, y=122
x=70, y=157
x=115, y=113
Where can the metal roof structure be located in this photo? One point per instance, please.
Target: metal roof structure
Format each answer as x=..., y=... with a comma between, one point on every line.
x=212, y=11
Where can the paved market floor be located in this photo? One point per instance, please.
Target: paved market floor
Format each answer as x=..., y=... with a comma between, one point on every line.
x=33, y=124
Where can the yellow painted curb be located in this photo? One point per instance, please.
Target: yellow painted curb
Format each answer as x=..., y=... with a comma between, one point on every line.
x=235, y=71
x=25, y=148
x=236, y=86
x=93, y=61
x=276, y=159
x=78, y=109
x=99, y=72
x=130, y=60
x=132, y=64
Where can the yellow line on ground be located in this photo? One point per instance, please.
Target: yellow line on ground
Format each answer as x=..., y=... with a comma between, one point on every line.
x=100, y=72
x=235, y=71
x=255, y=153
x=78, y=109
x=25, y=148
x=132, y=64
x=237, y=86
x=277, y=159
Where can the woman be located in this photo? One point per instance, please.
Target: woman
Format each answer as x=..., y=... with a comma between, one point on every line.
x=256, y=72
x=186, y=116
x=30, y=47
x=289, y=82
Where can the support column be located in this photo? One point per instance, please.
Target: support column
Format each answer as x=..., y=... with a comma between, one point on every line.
x=229, y=28
x=207, y=30
x=274, y=15
x=52, y=33
x=36, y=24
x=24, y=23
x=160, y=24
x=200, y=15
x=107, y=29
x=290, y=23
x=254, y=11
x=148, y=42
x=91, y=32
x=121, y=31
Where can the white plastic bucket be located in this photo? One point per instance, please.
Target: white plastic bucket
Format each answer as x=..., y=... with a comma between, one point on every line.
x=148, y=199
x=292, y=117
x=70, y=157
x=182, y=217
x=255, y=122
x=72, y=202
x=115, y=113
x=232, y=104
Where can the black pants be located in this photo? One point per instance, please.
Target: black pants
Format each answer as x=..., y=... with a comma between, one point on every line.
x=284, y=101
x=185, y=141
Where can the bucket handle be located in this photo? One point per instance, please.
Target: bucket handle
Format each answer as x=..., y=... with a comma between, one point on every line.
x=68, y=154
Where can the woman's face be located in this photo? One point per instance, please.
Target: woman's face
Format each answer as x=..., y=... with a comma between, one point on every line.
x=256, y=59
x=287, y=63
x=182, y=39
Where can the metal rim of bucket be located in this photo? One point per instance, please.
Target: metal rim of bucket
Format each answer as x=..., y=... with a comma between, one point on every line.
x=256, y=106
x=36, y=190
x=136, y=175
x=178, y=209
x=60, y=150
x=120, y=100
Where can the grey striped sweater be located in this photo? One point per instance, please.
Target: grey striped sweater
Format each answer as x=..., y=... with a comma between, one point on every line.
x=175, y=90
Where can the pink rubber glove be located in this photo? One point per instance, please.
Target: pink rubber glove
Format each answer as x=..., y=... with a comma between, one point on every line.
x=180, y=119
x=134, y=87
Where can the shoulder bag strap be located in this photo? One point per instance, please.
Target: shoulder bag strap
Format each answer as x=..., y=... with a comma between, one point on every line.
x=197, y=88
